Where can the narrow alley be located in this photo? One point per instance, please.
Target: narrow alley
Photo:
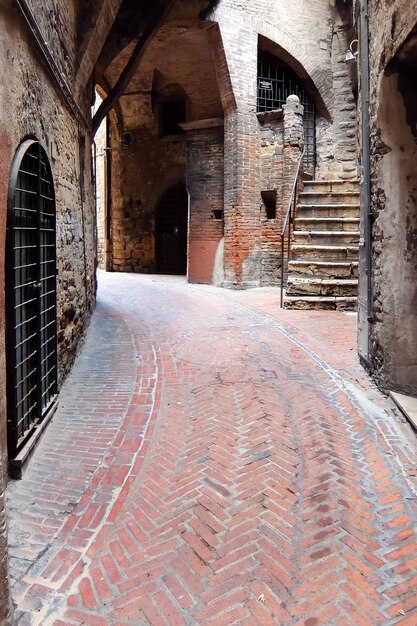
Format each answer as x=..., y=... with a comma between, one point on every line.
x=216, y=460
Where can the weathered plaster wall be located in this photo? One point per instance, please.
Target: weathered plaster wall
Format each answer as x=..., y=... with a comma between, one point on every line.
x=393, y=330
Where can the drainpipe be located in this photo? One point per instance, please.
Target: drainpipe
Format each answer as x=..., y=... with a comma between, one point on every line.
x=366, y=170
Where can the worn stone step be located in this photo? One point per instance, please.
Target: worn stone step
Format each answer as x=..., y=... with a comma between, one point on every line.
x=327, y=223
x=325, y=269
x=336, y=186
x=307, y=252
x=326, y=197
x=330, y=237
x=335, y=303
x=308, y=285
x=328, y=210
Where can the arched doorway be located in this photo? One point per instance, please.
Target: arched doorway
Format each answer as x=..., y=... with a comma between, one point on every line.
x=30, y=272
x=172, y=231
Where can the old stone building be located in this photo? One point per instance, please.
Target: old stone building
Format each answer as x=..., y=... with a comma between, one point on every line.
x=212, y=111
x=388, y=277
x=203, y=150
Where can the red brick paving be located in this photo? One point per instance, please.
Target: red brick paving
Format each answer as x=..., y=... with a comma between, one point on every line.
x=215, y=460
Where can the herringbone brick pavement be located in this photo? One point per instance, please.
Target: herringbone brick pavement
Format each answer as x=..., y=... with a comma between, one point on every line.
x=216, y=461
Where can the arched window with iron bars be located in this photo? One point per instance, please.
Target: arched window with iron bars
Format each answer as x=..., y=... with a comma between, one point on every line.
x=277, y=81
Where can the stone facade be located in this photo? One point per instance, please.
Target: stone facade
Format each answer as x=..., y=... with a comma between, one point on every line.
x=392, y=336
x=212, y=67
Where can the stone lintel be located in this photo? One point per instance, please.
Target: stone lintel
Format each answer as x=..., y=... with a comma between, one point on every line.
x=212, y=122
x=265, y=117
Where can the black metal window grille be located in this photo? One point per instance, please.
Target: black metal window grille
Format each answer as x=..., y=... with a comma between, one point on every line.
x=31, y=294
x=277, y=81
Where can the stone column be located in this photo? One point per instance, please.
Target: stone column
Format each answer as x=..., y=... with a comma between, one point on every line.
x=204, y=179
x=293, y=144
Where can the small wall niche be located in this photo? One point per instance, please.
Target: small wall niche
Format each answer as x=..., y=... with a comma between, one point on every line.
x=217, y=214
x=171, y=114
x=269, y=199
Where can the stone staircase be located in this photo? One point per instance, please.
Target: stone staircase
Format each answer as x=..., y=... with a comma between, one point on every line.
x=323, y=265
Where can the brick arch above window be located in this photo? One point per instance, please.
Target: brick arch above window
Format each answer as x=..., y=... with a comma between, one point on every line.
x=315, y=79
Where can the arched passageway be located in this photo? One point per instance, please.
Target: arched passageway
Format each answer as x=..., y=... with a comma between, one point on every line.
x=172, y=231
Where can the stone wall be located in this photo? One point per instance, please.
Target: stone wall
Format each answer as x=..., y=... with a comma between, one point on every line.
x=393, y=137
x=31, y=106
x=141, y=173
x=57, y=21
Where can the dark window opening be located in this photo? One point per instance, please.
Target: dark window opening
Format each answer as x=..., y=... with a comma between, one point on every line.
x=277, y=81
x=270, y=203
x=171, y=114
x=30, y=295
x=218, y=214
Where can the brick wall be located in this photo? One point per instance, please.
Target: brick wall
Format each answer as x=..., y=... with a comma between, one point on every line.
x=271, y=130
x=313, y=39
x=175, y=63
x=205, y=187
